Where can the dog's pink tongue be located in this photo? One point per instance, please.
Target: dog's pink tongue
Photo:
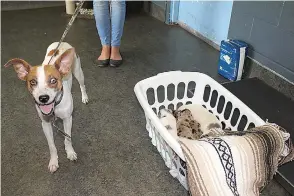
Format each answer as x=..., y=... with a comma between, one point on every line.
x=46, y=109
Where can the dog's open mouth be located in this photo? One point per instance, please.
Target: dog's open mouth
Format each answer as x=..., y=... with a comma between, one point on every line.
x=47, y=109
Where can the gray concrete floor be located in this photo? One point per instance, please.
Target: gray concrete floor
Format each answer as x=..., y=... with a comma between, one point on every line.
x=115, y=155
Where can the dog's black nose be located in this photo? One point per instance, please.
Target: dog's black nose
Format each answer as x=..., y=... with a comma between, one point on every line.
x=44, y=98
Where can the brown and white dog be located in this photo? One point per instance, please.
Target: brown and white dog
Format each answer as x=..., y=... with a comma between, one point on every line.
x=50, y=86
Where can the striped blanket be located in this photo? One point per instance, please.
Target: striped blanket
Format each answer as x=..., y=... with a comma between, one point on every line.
x=229, y=163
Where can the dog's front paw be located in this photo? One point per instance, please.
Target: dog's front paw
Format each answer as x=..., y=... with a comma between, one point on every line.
x=53, y=165
x=71, y=155
x=85, y=98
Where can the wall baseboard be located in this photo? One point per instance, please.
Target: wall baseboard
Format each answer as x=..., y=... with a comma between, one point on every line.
x=199, y=35
x=252, y=68
x=23, y=5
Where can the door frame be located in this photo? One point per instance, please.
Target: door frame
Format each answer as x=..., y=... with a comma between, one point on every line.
x=172, y=12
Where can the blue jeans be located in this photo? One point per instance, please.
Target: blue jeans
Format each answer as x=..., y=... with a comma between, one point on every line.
x=110, y=18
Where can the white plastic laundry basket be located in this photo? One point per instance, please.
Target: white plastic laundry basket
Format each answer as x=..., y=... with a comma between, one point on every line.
x=177, y=88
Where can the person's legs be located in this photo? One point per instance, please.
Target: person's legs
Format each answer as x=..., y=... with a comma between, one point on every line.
x=102, y=18
x=118, y=12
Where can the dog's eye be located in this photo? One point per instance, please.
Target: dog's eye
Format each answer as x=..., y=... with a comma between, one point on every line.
x=53, y=80
x=33, y=82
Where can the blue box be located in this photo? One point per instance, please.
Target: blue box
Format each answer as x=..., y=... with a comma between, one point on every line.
x=232, y=58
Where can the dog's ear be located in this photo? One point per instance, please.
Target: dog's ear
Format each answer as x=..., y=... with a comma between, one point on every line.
x=175, y=113
x=64, y=62
x=21, y=67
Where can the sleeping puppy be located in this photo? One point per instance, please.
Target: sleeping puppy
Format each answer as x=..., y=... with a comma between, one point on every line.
x=180, y=124
x=168, y=120
x=187, y=126
x=182, y=121
x=206, y=119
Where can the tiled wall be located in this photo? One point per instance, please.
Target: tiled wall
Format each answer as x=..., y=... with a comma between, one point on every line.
x=268, y=26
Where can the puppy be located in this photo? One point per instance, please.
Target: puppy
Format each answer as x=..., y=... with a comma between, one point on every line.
x=180, y=123
x=168, y=120
x=50, y=86
x=187, y=127
x=207, y=120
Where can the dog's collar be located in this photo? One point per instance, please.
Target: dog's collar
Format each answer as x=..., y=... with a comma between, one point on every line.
x=58, y=97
